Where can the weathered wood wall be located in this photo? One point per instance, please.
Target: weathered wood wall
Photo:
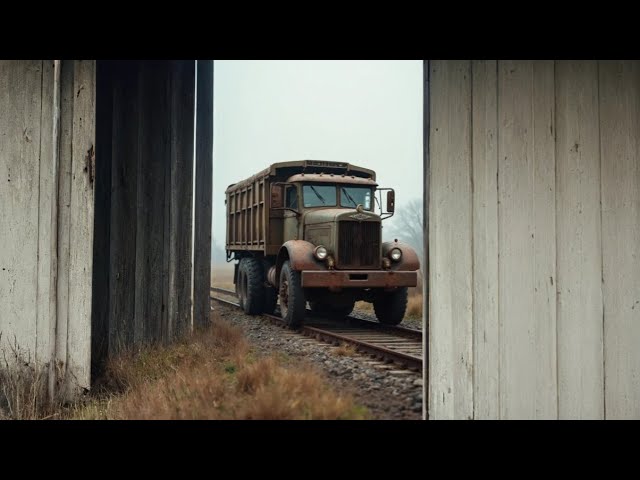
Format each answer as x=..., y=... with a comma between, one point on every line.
x=533, y=232
x=146, y=120
x=46, y=215
x=96, y=209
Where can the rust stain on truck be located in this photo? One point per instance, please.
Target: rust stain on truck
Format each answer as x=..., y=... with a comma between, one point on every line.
x=308, y=231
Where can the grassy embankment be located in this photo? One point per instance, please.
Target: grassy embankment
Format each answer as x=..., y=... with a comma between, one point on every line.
x=213, y=374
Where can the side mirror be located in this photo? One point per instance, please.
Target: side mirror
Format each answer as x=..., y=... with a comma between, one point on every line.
x=277, y=196
x=391, y=201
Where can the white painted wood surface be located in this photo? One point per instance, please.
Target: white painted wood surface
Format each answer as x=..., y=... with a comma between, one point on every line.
x=555, y=213
x=46, y=201
x=20, y=131
x=579, y=244
x=46, y=215
x=526, y=237
x=450, y=326
x=485, y=240
x=543, y=319
x=620, y=125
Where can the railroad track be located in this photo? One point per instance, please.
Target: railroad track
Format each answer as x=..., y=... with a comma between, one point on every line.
x=393, y=344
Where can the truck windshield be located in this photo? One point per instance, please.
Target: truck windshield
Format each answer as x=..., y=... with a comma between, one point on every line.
x=352, y=196
x=319, y=195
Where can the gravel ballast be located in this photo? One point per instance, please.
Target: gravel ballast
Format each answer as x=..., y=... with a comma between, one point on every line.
x=387, y=391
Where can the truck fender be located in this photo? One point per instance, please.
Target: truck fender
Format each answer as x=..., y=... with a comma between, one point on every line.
x=409, y=260
x=300, y=256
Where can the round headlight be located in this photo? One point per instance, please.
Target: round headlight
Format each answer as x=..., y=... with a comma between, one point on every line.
x=320, y=252
x=395, y=254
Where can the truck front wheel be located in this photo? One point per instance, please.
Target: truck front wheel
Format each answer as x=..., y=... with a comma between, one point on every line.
x=390, y=307
x=250, y=286
x=292, y=302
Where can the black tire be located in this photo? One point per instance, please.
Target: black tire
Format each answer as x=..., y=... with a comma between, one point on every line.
x=251, y=286
x=292, y=302
x=390, y=307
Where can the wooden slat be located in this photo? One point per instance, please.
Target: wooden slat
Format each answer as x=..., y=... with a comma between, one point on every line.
x=526, y=224
x=153, y=159
x=47, y=197
x=64, y=212
x=182, y=131
x=122, y=281
x=101, y=235
x=485, y=240
x=579, y=247
x=20, y=131
x=450, y=327
x=81, y=226
x=204, y=165
x=620, y=124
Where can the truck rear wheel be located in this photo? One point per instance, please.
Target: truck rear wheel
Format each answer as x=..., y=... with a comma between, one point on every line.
x=292, y=302
x=390, y=307
x=250, y=286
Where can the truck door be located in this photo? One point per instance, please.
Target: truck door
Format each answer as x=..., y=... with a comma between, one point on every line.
x=290, y=218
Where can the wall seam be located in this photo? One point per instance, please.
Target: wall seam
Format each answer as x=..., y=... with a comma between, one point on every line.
x=471, y=245
x=604, y=375
x=426, y=129
x=73, y=108
x=555, y=169
x=499, y=411
x=35, y=353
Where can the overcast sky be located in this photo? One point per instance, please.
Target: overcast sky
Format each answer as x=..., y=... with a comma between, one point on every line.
x=368, y=113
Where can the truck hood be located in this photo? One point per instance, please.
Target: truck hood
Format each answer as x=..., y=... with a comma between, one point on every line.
x=328, y=215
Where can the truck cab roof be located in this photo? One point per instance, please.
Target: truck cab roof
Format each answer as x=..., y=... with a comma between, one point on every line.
x=331, y=178
x=283, y=170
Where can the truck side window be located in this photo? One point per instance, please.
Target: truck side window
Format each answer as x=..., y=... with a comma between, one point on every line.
x=292, y=198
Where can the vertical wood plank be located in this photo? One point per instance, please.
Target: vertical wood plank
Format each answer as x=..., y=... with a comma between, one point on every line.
x=102, y=220
x=182, y=129
x=579, y=248
x=81, y=225
x=153, y=159
x=485, y=240
x=544, y=258
x=122, y=279
x=47, y=197
x=204, y=179
x=20, y=131
x=64, y=213
x=620, y=124
x=450, y=325
x=526, y=219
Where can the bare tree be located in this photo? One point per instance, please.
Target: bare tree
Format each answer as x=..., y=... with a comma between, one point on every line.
x=407, y=226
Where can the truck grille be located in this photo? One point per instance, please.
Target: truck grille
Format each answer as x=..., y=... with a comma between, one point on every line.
x=358, y=245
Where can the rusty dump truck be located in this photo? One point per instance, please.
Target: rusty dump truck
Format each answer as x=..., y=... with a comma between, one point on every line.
x=307, y=231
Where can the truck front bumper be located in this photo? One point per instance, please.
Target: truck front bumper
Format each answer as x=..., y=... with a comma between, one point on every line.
x=358, y=278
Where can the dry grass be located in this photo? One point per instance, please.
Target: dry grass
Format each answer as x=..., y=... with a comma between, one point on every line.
x=414, y=306
x=214, y=375
x=23, y=387
x=364, y=307
x=345, y=350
